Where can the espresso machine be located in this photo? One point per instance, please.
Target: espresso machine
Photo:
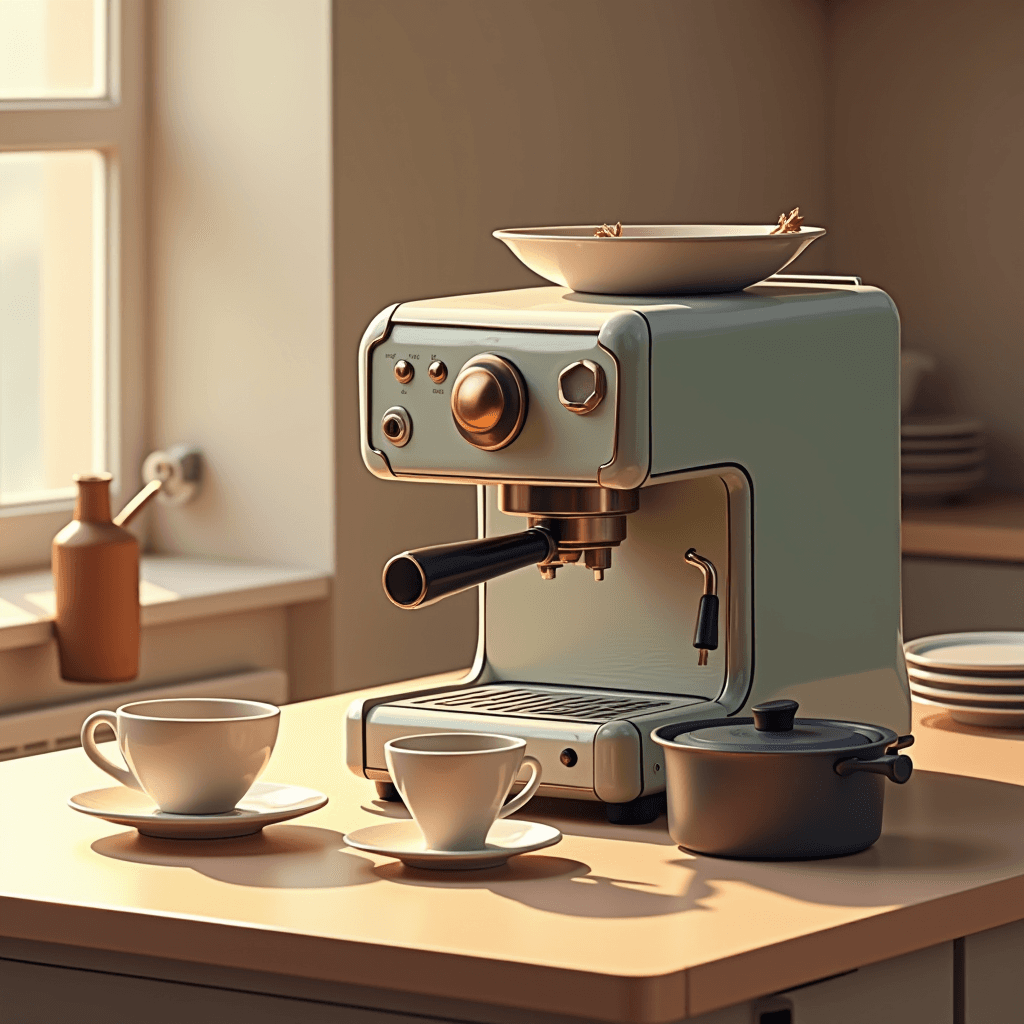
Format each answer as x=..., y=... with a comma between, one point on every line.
x=686, y=506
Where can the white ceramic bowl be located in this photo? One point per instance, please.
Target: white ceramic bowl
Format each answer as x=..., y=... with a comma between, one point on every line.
x=657, y=259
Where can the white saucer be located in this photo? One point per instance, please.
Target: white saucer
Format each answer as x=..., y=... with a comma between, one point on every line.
x=264, y=804
x=942, y=444
x=964, y=680
x=941, y=462
x=939, y=426
x=403, y=839
x=986, y=718
x=969, y=698
x=979, y=653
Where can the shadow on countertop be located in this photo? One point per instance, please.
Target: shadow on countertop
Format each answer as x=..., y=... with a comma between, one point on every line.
x=942, y=834
x=279, y=857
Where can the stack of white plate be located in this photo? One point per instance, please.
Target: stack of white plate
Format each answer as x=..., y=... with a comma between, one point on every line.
x=941, y=455
x=978, y=677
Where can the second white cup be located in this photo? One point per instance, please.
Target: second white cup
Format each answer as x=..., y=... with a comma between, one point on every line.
x=455, y=783
x=192, y=755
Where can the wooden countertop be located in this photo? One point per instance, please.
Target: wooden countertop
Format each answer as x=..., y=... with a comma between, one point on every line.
x=614, y=923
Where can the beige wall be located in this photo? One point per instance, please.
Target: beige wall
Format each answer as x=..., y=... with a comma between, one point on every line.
x=456, y=117
x=926, y=190
x=240, y=274
x=241, y=329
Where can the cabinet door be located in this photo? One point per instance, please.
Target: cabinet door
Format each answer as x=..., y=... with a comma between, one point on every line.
x=912, y=989
x=39, y=994
x=993, y=986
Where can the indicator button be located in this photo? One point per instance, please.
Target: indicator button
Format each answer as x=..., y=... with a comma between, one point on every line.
x=403, y=371
x=396, y=425
x=568, y=757
x=437, y=372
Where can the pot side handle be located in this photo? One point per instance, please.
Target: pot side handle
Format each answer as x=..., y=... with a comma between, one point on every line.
x=896, y=767
x=902, y=742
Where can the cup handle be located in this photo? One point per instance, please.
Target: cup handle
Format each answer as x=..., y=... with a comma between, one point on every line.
x=531, y=787
x=89, y=727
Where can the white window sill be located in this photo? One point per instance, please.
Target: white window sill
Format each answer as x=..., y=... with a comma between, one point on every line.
x=171, y=589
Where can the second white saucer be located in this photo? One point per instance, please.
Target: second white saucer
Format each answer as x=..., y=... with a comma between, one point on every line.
x=403, y=839
x=265, y=804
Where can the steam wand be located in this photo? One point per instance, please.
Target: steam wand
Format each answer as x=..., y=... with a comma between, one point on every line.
x=705, y=634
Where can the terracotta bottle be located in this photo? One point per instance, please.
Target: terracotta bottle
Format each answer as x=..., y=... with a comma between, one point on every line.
x=96, y=580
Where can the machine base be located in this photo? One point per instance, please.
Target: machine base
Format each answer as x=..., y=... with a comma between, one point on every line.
x=641, y=811
x=388, y=791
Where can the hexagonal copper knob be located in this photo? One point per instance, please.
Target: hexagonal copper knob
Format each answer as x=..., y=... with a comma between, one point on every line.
x=581, y=387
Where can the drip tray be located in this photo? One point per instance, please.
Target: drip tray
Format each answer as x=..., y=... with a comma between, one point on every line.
x=562, y=704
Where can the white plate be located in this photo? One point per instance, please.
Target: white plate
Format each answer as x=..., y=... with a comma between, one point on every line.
x=965, y=680
x=265, y=804
x=937, y=462
x=657, y=259
x=987, y=718
x=976, y=653
x=939, y=426
x=941, y=484
x=968, y=697
x=942, y=444
x=403, y=839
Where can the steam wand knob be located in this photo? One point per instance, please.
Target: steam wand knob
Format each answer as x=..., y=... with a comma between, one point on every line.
x=705, y=633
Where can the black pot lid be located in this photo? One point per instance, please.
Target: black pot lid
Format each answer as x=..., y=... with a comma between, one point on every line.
x=775, y=728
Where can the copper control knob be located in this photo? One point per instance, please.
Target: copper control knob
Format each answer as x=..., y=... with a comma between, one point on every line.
x=437, y=371
x=403, y=371
x=489, y=402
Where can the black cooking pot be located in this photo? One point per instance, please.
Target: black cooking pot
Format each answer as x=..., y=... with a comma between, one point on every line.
x=775, y=787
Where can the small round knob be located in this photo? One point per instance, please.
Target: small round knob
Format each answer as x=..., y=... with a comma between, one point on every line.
x=489, y=402
x=581, y=387
x=404, y=371
x=775, y=715
x=396, y=426
x=437, y=372
x=568, y=757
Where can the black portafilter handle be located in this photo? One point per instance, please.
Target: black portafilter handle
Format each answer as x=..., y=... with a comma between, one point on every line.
x=417, y=578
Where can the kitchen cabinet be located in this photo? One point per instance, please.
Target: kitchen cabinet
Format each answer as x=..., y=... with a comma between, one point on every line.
x=915, y=989
x=992, y=983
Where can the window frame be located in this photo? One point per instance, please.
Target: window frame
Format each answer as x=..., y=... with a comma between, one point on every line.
x=114, y=125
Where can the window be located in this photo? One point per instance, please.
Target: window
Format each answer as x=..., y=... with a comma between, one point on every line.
x=71, y=267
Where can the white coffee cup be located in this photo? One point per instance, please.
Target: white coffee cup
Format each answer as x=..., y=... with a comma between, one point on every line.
x=454, y=783
x=192, y=755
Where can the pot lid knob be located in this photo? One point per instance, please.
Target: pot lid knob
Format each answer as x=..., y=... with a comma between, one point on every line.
x=775, y=715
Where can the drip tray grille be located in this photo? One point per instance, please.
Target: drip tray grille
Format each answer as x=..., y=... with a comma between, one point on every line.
x=520, y=702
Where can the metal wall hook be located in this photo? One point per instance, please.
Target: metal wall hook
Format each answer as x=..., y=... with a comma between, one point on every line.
x=179, y=470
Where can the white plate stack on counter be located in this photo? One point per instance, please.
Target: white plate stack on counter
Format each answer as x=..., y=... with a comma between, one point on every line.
x=977, y=677
x=941, y=456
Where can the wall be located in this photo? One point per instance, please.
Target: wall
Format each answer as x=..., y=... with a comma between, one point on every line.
x=240, y=274
x=456, y=117
x=925, y=191
x=240, y=286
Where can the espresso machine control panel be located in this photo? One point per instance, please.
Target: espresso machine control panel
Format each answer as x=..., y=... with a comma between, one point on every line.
x=477, y=405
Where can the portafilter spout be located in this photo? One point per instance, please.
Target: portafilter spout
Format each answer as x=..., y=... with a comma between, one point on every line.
x=415, y=579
